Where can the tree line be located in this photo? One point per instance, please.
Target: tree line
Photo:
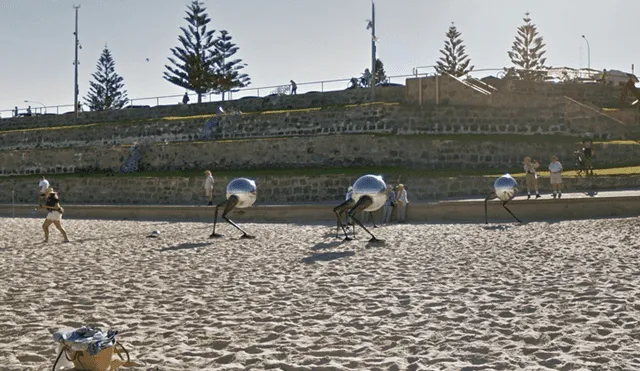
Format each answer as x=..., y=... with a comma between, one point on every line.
x=204, y=62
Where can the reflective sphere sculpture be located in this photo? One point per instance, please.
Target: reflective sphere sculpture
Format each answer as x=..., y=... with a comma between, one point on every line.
x=372, y=186
x=244, y=189
x=505, y=187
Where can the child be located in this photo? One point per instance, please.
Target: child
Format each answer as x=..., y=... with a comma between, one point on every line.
x=555, y=167
x=531, y=176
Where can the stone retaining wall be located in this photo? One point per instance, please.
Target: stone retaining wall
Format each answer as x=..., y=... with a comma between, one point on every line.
x=413, y=152
x=373, y=118
x=271, y=189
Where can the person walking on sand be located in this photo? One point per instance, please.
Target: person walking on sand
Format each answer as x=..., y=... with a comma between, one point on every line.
x=555, y=168
x=208, y=186
x=54, y=214
x=402, y=201
x=531, y=176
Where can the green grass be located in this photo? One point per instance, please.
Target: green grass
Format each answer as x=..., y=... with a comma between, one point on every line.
x=192, y=117
x=350, y=171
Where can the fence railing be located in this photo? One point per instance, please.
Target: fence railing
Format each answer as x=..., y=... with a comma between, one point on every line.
x=302, y=87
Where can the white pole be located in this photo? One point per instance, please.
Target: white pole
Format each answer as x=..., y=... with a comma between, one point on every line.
x=13, y=207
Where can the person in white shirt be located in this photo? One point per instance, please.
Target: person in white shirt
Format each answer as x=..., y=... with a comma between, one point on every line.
x=555, y=168
x=531, y=176
x=401, y=203
x=347, y=196
x=208, y=186
x=43, y=186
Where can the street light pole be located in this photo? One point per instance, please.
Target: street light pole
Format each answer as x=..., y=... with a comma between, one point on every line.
x=588, y=53
x=373, y=50
x=75, y=63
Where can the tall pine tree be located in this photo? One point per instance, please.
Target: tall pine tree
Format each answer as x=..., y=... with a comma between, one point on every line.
x=107, y=90
x=527, y=51
x=192, y=61
x=381, y=75
x=454, y=61
x=226, y=71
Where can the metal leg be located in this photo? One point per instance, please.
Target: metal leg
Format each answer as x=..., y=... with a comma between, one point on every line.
x=229, y=205
x=338, y=210
x=372, y=219
x=363, y=203
x=491, y=196
x=504, y=204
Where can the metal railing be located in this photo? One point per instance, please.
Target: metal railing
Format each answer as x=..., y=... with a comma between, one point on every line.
x=302, y=87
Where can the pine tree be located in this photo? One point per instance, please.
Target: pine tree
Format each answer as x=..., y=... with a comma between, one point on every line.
x=107, y=91
x=381, y=75
x=225, y=70
x=192, y=60
x=454, y=61
x=527, y=51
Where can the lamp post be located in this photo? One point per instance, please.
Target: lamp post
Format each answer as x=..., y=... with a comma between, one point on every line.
x=33, y=101
x=588, y=53
x=75, y=63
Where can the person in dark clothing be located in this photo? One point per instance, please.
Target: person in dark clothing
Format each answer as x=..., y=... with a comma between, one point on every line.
x=587, y=150
x=185, y=98
x=54, y=214
x=294, y=88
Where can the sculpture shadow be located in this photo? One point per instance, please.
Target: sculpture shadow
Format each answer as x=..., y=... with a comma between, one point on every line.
x=184, y=246
x=326, y=245
x=327, y=256
x=500, y=227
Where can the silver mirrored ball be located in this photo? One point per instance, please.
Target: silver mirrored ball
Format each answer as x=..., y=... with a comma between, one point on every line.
x=505, y=187
x=244, y=189
x=372, y=186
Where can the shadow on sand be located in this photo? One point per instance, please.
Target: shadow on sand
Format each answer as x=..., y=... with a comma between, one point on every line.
x=184, y=246
x=500, y=227
x=327, y=256
x=326, y=245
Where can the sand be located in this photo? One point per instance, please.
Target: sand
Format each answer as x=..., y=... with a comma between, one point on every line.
x=562, y=295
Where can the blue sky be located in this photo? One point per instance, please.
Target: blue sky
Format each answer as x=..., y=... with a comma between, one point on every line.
x=281, y=40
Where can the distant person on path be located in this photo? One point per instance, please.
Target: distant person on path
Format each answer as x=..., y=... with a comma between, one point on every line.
x=531, y=176
x=43, y=185
x=555, y=168
x=294, y=88
x=402, y=201
x=208, y=186
x=347, y=196
x=185, y=98
x=15, y=111
x=389, y=204
x=54, y=215
x=587, y=149
x=29, y=111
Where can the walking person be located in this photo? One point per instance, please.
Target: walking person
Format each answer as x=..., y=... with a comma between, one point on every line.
x=208, y=186
x=294, y=87
x=402, y=201
x=54, y=214
x=587, y=149
x=185, y=98
x=43, y=185
x=389, y=204
x=531, y=176
x=347, y=197
x=555, y=168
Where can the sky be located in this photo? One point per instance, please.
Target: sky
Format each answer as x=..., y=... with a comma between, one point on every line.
x=280, y=40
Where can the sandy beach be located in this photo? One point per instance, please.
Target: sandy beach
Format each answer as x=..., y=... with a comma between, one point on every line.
x=559, y=295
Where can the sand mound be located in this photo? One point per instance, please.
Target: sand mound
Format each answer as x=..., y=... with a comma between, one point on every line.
x=505, y=296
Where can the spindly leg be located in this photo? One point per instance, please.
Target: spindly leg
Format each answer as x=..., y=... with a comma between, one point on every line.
x=504, y=204
x=491, y=196
x=363, y=203
x=338, y=210
x=372, y=219
x=233, y=201
x=215, y=219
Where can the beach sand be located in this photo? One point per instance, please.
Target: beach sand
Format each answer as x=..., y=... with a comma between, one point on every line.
x=559, y=295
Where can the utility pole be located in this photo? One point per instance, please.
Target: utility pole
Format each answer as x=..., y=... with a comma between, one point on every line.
x=75, y=63
x=373, y=51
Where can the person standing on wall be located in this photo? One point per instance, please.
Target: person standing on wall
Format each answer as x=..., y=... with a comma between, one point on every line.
x=531, y=176
x=587, y=149
x=555, y=168
x=43, y=186
x=208, y=186
x=54, y=214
